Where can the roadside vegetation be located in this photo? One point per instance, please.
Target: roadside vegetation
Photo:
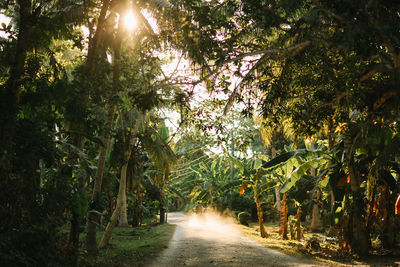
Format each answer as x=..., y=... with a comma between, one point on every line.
x=131, y=246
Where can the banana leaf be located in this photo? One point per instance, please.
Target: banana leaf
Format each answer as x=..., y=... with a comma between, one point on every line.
x=282, y=158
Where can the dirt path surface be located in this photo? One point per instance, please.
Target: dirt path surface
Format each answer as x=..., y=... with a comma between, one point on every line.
x=214, y=241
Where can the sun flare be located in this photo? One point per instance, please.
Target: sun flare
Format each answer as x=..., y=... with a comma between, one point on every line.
x=129, y=20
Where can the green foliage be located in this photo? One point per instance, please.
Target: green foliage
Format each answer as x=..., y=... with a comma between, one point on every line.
x=243, y=202
x=244, y=218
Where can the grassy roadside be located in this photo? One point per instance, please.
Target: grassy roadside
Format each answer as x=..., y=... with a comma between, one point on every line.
x=326, y=254
x=289, y=247
x=131, y=246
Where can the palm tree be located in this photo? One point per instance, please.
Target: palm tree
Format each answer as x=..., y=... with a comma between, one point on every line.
x=130, y=139
x=136, y=180
x=155, y=142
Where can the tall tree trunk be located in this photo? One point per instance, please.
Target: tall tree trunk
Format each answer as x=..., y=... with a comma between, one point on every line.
x=277, y=193
x=263, y=232
x=123, y=217
x=283, y=230
x=359, y=240
x=298, y=232
x=107, y=188
x=122, y=185
x=316, y=222
x=232, y=167
x=162, y=200
x=91, y=242
x=332, y=205
x=10, y=102
x=278, y=199
x=117, y=211
x=138, y=212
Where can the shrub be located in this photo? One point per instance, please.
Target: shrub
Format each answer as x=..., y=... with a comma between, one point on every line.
x=244, y=218
x=243, y=203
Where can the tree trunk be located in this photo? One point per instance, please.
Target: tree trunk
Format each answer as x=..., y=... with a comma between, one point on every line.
x=123, y=217
x=283, y=230
x=74, y=230
x=107, y=188
x=278, y=199
x=232, y=169
x=332, y=221
x=316, y=223
x=359, y=240
x=90, y=242
x=117, y=211
x=162, y=214
x=277, y=193
x=10, y=103
x=122, y=187
x=162, y=201
x=298, y=232
x=263, y=232
x=138, y=212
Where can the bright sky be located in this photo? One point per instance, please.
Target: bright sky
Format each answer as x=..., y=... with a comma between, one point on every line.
x=6, y=20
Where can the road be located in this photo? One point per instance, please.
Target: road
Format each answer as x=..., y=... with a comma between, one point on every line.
x=216, y=241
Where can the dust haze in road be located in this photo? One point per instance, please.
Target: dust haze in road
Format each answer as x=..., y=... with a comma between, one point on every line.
x=212, y=240
x=212, y=226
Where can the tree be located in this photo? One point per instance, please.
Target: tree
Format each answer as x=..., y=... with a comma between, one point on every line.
x=252, y=174
x=212, y=180
x=155, y=143
x=130, y=139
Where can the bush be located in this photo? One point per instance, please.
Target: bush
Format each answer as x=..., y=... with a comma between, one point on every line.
x=243, y=203
x=244, y=218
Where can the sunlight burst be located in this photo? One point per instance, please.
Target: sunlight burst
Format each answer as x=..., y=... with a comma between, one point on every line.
x=129, y=20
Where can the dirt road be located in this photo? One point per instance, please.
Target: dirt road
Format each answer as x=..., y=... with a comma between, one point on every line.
x=214, y=241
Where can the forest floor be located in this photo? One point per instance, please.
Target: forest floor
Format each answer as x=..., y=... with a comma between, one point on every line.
x=210, y=240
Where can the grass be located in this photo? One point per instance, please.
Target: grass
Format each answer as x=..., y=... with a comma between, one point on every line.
x=290, y=247
x=131, y=246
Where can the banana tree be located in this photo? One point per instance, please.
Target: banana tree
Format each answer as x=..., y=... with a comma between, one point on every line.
x=292, y=166
x=254, y=175
x=211, y=180
x=371, y=158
